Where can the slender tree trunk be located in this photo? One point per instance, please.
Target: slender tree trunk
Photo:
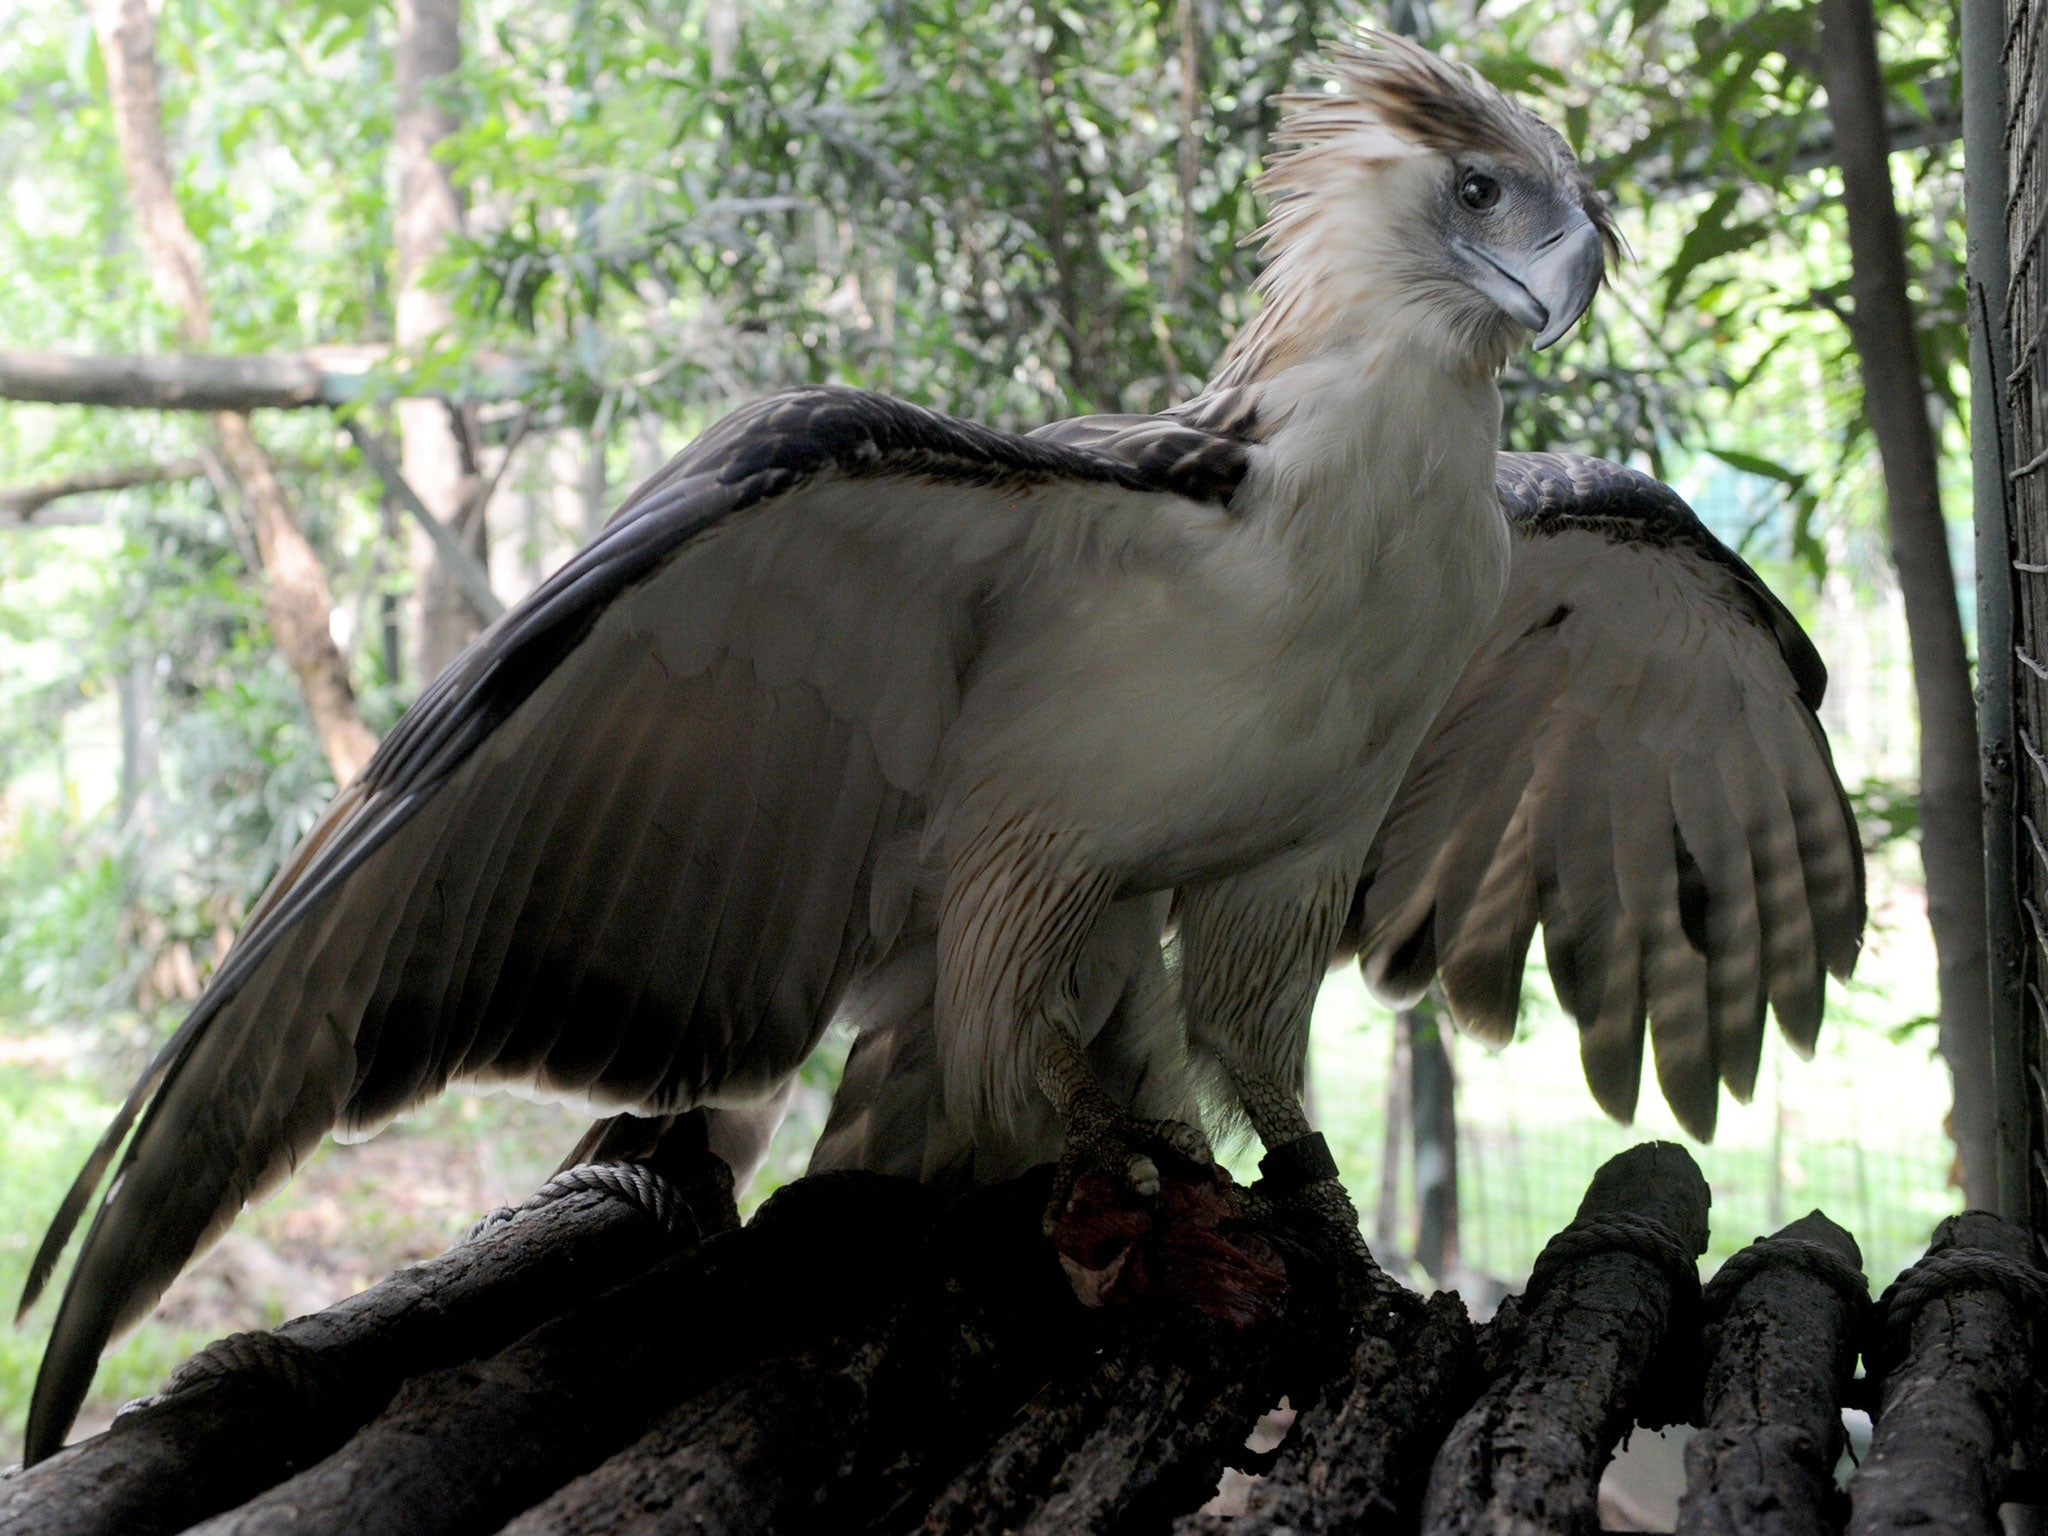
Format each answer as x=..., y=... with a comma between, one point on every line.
x=295, y=593
x=1400, y=1081
x=1065, y=240
x=432, y=448
x=390, y=556
x=298, y=602
x=1435, y=1099
x=1188, y=159
x=722, y=35
x=1895, y=400
x=596, y=483
x=134, y=690
x=1188, y=172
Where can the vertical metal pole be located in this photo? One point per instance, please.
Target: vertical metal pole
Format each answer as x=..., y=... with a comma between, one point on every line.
x=1985, y=192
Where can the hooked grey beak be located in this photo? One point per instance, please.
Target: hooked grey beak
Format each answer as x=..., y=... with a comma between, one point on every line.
x=1548, y=290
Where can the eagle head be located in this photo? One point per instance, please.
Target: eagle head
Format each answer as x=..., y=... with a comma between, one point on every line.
x=1410, y=192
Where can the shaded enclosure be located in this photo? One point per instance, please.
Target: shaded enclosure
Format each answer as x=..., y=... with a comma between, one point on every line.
x=2008, y=167
x=2026, y=390
x=623, y=1356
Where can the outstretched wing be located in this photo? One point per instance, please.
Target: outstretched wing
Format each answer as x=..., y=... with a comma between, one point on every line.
x=625, y=846
x=1631, y=759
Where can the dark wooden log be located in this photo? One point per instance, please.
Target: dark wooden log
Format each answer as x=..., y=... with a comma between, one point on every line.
x=254, y=1409
x=992, y=1326
x=1601, y=1339
x=1141, y=1437
x=1958, y=1358
x=859, y=1432
x=1358, y=1458
x=859, y=1361
x=1141, y=1433
x=467, y=1448
x=1784, y=1320
x=747, y=1457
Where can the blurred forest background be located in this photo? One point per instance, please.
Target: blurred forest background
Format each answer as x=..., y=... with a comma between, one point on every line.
x=516, y=255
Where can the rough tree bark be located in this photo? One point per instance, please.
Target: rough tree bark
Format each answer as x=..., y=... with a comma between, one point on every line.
x=1595, y=1345
x=1784, y=1320
x=868, y=1357
x=1895, y=400
x=263, y=1408
x=295, y=593
x=1357, y=1457
x=1957, y=1368
x=433, y=453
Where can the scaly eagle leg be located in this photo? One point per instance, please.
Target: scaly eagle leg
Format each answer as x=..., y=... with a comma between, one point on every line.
x=1297, y=1170
x=1101, y=1134
x=1254, y=952
x=1023, y=898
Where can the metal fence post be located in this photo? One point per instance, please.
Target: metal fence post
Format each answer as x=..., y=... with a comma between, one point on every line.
x=1985, y=183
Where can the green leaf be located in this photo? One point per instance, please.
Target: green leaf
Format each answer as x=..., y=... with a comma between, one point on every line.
x=1757, y=464
x=1715, y=235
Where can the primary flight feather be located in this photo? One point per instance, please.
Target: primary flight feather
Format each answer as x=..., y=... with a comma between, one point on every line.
x=850, y=677
x=1633, y=761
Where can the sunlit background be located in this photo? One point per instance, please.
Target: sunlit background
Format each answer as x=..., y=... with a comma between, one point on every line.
x=982, y=204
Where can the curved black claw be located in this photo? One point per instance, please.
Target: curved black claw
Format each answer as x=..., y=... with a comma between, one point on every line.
x=1106, y=1139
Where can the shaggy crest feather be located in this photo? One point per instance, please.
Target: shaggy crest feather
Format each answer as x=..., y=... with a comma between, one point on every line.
x=1388, y=100
x=1387, y=85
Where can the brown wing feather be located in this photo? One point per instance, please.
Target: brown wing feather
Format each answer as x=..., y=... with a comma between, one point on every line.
x=1632, y=761
x=622, y=846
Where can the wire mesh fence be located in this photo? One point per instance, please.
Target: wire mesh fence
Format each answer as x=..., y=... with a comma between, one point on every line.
x=2026, y=386
x=1856, y=1132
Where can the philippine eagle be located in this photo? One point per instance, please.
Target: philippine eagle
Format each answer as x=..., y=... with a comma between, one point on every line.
x=849, y=676
x=1632, y=760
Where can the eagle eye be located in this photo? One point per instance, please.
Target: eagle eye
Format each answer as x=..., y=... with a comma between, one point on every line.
x=1478, y=191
